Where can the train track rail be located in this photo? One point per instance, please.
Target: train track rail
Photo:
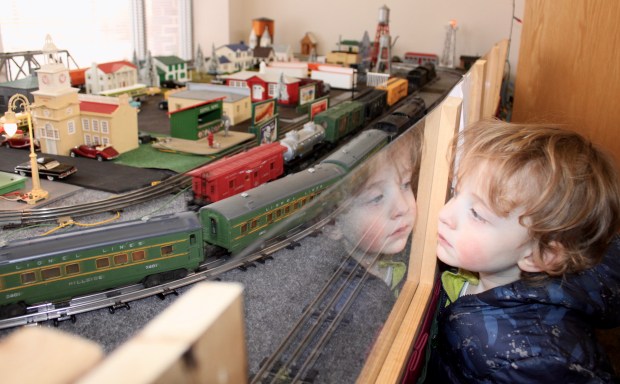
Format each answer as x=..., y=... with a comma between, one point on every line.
x=112, y=204
x=295, y=357
x=121, y=297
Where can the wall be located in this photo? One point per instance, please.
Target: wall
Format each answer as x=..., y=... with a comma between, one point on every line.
x=419, y=24
x=568, y=72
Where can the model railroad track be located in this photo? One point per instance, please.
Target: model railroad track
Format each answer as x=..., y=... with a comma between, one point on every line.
x=294, y=359
x=112, y=204
x=120, y=298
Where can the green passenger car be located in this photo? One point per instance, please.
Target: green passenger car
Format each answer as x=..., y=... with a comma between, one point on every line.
x=251, y=217
x=341, y=120
x=57, y=268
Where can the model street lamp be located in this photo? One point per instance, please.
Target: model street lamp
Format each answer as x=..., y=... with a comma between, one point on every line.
x=10, y=127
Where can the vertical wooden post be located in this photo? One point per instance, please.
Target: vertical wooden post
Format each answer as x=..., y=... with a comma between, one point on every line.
x=198, y=339
x=386, y=362
x=46, y=355
x=473, y=102
x=496, y=59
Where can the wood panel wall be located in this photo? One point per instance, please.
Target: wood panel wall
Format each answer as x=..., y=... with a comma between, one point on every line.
x=569, y=68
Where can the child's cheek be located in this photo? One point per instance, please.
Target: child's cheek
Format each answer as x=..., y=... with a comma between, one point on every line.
x=471, y=254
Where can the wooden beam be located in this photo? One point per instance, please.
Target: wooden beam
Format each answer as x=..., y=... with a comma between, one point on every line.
x=473, y=102
x=496, y=61
x=46, y=355
x=387, y=359
x=200, y=338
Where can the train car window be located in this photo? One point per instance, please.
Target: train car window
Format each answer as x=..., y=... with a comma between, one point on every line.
x=72, y=268
x=253, y=224
x=278, y=213
x=138, y=255
x=231, y=184
x=192, y=239
x=28, y=277
x=271, y=166
x=213, y=226
x=121, y=259
x=287, y=209
x=296, y=205
x=269, y=217
x=104, y=262
x=244, y=228
x=50, y=273
x=166, y=250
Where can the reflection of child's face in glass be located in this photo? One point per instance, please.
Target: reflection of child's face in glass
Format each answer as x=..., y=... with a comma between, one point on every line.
x=381, y=217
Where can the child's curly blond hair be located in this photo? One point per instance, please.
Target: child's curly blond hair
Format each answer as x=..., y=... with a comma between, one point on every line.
x=568, y=188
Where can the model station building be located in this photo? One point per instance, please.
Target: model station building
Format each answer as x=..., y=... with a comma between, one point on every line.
x=62, y=118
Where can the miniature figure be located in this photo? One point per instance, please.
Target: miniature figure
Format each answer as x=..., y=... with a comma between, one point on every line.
x=210, y=138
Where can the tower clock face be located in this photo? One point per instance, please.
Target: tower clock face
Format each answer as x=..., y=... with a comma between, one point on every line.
x=62, y=78
x=45, y=79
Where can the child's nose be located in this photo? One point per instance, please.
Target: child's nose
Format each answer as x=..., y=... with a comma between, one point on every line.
x=445, y=214
x=401, y=205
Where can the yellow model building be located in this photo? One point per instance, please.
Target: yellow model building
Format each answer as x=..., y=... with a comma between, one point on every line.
x=64, y=119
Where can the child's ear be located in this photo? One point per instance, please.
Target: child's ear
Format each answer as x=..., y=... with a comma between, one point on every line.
x=553, y=254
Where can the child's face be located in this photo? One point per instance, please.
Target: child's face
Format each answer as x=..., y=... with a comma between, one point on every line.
x=380, y=218
x=473, y=237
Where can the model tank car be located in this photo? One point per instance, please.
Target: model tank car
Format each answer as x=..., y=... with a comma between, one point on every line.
x=302, y=141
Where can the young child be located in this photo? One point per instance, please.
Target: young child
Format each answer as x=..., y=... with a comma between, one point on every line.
x=533, y=211
x=379, y=208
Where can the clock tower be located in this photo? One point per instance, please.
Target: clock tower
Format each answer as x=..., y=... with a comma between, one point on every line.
x=53, y=75
x=56, y=106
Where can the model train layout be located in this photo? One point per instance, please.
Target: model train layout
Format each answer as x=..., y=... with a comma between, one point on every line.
x=162, y=248
x=234, y=174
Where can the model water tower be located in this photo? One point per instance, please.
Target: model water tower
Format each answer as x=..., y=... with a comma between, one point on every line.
x=380, y=52
x=448, y=58
x=262, y=33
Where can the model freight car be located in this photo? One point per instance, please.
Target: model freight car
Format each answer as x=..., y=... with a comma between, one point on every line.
x=248, y=220
x=397, y=88
x=299, y=143
x=341, y=120
x=235, y=174
x=375, y=103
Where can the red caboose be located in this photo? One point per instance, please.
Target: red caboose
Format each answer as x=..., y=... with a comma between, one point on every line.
x=235, y=174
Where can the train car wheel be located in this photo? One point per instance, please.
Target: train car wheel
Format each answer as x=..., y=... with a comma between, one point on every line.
x=152, y=280
x=13, y=310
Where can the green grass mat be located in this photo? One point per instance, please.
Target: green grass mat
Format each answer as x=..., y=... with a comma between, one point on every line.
x=148, y=157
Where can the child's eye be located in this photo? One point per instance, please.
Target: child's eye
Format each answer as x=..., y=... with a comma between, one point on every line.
x=375, y=199
x=406, y=185
x=477, y=216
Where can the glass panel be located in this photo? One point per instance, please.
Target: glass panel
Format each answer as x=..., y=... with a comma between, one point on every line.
x=51, y=273
x=71, y=269
x=28, y=277
x=121, y=259
x=138, y=255
x=103, y=263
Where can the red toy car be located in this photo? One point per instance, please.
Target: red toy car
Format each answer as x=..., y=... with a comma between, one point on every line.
x=99, y=152
x=19, y=141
